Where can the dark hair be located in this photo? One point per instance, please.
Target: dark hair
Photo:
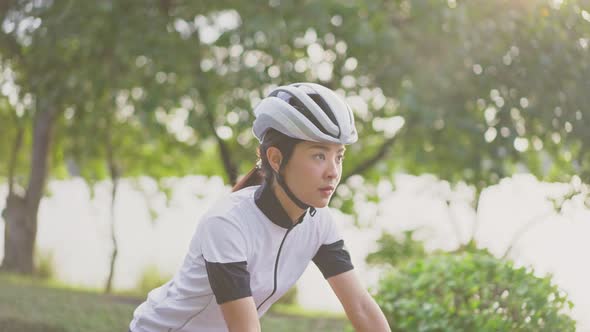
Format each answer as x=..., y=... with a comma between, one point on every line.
x=264, y=173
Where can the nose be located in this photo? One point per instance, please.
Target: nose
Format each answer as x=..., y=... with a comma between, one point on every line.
x=333, y=169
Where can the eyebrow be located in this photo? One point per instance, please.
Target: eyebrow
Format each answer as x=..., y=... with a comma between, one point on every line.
x=325, y=148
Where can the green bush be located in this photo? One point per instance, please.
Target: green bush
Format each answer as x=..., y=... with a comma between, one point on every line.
x=290, y=297
x=44, y=265
x=471, y=292
x=151, y=278
x=394, y=251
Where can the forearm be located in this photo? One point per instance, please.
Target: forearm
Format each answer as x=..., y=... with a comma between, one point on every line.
x=367, y=316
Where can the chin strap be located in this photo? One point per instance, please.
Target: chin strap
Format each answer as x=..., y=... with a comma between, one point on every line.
x=292, y=196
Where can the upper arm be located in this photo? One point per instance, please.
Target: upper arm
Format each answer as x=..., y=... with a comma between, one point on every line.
x=241, y=315
x=332, y=258
x=224, y=250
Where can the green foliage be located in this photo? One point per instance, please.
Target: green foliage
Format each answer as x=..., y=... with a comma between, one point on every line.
x=44, y=265
x=37, y=306
x=14, y=324
x=290, y=297
x=31, y=305
x=471, y=292
x=151, y=278
x=395, y=252
x=481, y=87
x=9, y=127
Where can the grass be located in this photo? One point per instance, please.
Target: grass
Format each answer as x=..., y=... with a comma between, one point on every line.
x=33, y=305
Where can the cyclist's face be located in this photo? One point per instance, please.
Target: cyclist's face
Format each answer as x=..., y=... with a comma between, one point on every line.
x=314, y=170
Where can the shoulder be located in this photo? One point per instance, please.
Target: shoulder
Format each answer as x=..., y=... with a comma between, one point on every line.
x=326, y=225
x=230, y=210
x=223, y=233
x=229, y=206
x=323, y=217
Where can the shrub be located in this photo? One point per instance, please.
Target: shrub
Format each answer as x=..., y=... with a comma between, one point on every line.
x=394, y=251
x=44, y=265
x=290, y=297
x=471, y=292
x=151, y=278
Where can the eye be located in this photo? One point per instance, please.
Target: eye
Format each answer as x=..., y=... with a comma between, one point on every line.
x=319, y=156
x=340, y=158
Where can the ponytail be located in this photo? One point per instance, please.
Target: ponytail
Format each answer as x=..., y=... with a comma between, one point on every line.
x=253, y=178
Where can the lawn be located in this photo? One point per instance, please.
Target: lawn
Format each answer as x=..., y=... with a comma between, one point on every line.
x=28, y=305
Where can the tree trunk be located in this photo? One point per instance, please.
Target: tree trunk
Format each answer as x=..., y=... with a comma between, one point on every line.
x=18, y=142
x=371, y=161
x=231, y=170
x=20, y=213
x=19, y=236
x=115, y=176
x=115, y=252
x=228, y=164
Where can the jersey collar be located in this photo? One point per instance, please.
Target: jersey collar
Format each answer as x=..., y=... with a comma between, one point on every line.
x=269, y=204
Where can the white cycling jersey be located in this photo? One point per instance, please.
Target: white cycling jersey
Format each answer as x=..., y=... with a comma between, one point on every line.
x=244, y=246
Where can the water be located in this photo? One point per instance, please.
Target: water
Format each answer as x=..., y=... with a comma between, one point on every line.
x=74, y=229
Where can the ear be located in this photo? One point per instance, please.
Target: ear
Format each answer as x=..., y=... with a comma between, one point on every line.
x=275, y=157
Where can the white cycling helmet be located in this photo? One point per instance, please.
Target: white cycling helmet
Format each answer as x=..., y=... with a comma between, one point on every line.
x=306, y=111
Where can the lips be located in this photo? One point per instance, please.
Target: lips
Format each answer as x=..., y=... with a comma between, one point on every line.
x=327, y=190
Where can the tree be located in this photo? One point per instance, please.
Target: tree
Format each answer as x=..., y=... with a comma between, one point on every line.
x=87, y=73
x=454, y=89
x=457, y=78
x=485, y=89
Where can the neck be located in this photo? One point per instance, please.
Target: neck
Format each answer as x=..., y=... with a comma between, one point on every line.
x=293, y=211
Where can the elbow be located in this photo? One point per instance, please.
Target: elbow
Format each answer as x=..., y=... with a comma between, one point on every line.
x=365, y=315
x=251, y=327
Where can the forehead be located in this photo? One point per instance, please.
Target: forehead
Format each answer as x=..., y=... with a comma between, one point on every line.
x=307, y=145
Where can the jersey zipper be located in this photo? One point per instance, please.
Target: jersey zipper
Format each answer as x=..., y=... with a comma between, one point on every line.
x=276, y=268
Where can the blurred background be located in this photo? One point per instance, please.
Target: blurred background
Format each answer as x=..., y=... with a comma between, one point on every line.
x=465, y=204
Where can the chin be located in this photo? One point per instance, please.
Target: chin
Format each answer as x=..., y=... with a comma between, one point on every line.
x=321, y=203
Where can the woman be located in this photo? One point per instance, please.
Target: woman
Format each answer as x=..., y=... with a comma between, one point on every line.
x=250, y=248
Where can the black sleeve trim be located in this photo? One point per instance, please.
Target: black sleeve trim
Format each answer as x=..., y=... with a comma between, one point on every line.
x=229, y=281
x=333, y=259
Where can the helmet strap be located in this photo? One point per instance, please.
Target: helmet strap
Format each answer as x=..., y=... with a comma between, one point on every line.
x=294, y=199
